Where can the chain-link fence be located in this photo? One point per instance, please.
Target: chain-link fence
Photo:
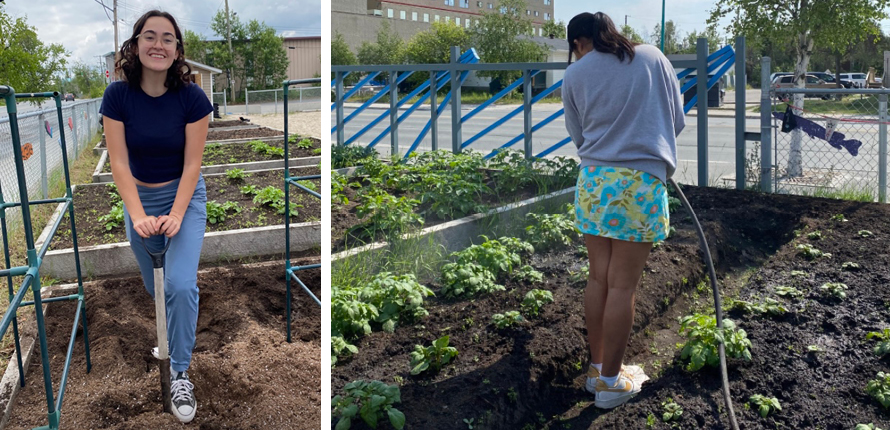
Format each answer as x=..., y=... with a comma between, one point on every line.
x=831, y=144
x=272, y=101
x=41, y=129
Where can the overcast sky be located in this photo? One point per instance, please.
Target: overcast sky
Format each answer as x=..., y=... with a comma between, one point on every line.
x=83, y=28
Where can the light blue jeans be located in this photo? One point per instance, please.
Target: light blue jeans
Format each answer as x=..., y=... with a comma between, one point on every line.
x=180, y=266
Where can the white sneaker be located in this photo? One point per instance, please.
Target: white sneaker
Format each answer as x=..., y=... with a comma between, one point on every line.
x=634, y=372
x=609, y=397
x=182, y=394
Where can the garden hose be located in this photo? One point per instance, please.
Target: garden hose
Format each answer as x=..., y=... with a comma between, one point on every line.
x=717, y=302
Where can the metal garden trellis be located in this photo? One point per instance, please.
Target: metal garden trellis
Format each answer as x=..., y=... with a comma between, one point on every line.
x=290, y=271
x=455, y=72
x=31, y=272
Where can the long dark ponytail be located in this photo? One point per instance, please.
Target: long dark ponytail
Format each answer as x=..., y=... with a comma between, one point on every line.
x=600, y=29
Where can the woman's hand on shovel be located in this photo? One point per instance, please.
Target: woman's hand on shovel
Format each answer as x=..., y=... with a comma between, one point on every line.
x=146, y=226
x=168, y=225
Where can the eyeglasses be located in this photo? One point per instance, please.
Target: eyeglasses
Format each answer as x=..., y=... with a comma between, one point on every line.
x=151, y=37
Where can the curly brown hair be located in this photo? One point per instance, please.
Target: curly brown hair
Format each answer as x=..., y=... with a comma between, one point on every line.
x=129, y=68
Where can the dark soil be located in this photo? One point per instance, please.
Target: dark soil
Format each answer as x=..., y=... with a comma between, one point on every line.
x=752, y=239
x=93, y=202
x=245, y=373
x=344, y=217
x=227, y=123
x=231, y=153
x=214, y=135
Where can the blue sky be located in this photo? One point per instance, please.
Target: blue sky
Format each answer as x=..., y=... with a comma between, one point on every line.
x=86, y=32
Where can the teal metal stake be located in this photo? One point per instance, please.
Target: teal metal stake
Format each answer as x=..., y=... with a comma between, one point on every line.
x=662, y=26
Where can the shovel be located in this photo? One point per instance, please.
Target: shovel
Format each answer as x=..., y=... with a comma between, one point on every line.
x=157, y=261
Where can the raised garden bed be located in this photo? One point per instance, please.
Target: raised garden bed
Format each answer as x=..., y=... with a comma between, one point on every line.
x=382, y=200
x=256, y=228
x=255, y=155
x=814, y=359
x=245, y=373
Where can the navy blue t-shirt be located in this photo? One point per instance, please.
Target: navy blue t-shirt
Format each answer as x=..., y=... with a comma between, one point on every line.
x=155, y=126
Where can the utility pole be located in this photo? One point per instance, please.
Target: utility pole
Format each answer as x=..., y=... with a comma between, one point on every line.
x=116, y=46
x=625, y=20
x=231, y=52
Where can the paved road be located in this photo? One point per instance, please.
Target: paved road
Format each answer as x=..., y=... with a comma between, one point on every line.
x=721, y=139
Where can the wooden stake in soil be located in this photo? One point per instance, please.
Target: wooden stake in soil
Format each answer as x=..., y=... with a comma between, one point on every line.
x=157, y=260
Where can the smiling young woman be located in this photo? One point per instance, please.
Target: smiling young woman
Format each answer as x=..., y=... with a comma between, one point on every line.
x=155, y=127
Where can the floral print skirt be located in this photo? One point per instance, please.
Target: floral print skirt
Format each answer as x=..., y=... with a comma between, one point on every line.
x=621, y=203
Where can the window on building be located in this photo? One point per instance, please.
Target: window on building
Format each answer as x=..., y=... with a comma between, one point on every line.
x=546, y=16
x=479, y=4
x=389, y=13
x=528, y=12
x=447, y=19
x=465, y=4
x=503, y=9
x=402, y=14
x=457, y=20
x=546, y=2
x=426, y=17
x=436, y=18
x=413, y=16
x=467, y=25
x=449, y=2
x=540, y=31
x=536, y=13
x=490, y=6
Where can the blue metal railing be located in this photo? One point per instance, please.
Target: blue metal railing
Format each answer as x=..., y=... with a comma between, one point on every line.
x=717, y=64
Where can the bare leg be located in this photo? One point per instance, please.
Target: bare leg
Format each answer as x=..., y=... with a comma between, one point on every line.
x=599, y=250
x=625, y=270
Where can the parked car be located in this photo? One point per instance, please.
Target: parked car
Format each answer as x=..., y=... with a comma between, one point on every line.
x=774, y=75
x=812, y=82
x=69, y=97
x=829, y=78
x=858, y=79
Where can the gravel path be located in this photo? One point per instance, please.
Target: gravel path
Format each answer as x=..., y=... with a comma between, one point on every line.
x=302, y=123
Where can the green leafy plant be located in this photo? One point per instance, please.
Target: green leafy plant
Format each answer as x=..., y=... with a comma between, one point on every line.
x=115, y=217
x=372, y=401
x=816, y=235
x=432, y=357
x=810, y=252
x=534, y=300
x=264, y=148
x=219, y=212
x=467, y=280
x=308, y=184
x=350, y=316
x=339, y=183
x=865, y=233
x=452, y=195
x=350, y=155
x=674, y=204
x=786, y=291
x=879, y=389
x=274, y=197
x=397, y=298
x=839, y=218
x=868, y=426
x=528, y=274
x=341, y=348
x=507, y=319
x=514, y=171
x=703, y=336
x=385, y=213
x=851, y=266
x=835, y=289
x=764, y=404
x=304, y=143
x=770, y=307
x=814, y=348
x=498, y=256
x=550, y=230
x=798, y=273
x=883, y=337
x=672, y=411
x=236, y=174
x=581, y=276
x=650, y=421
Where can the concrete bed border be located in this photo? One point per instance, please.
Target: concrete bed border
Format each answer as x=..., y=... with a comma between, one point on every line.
x=10, y=383
x=460, y=233
x=103, y=178
x=97, y=150
x=116, y=259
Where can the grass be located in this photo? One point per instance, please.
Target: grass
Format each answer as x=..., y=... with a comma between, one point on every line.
x=864, y=193
x=81, y=171
x=849, y=105
x=466, y=97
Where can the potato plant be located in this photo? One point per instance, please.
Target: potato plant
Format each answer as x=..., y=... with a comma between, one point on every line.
x=217, y=212
x=672, y=411
x=534, y=300
x=467, y=280
x=507, y=319
x=371, y=401
x=879, y=389
x=397, y=298
x=385, y=213
x=550, y=230
x=883, y=338
x=810, y=252
x=837, y=290
x=236, y=174
x=764, y=404
x=264, y=148
x=350, y=155
x=432, y=357
x=340, y=348
x=703, y=336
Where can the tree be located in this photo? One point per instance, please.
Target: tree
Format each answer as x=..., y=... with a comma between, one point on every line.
x=26, y=64
x=631, y=34
x=672, y=38
x=803, y=24
x=434, y=45
x=264, y=57
x=554, y=30
x=86, y=81
x=340, y=53
x=195, y=46
x=496, y=35
x=715, y=42
x=389, y=49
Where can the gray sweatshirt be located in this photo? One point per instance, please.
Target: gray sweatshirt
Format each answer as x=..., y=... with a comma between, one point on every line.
x=625, y=114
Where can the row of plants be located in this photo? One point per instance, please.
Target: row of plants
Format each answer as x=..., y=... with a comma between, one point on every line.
x=255, y=150
x=391, y=198
x=101, y=209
